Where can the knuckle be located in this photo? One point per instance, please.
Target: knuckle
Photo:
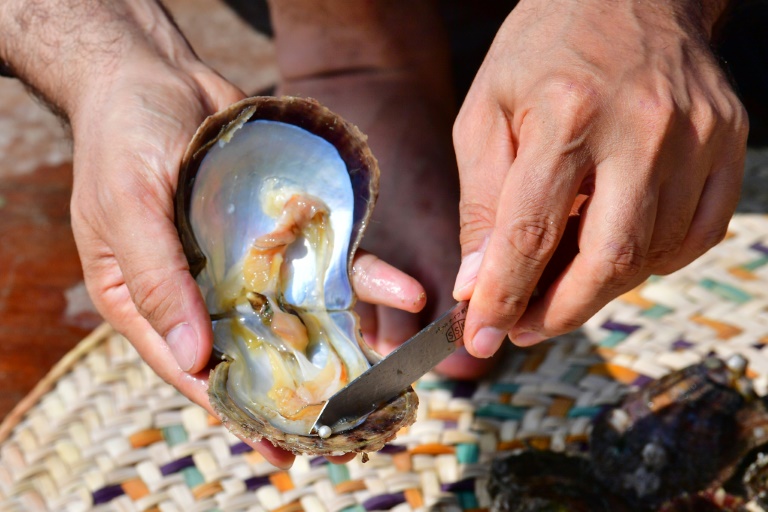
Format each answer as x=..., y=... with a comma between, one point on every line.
x=470, y=128
x=621, y=261
x=657, y=114
x=459, y=128
x=509, y=307
x=575, y=103
x=709, y=237
x=740, y=122
x=663, y=251
x=568, y=324
x=476, y=219
x=708, y=120
x=153, y=296
x=655, y=107
x=533, y=237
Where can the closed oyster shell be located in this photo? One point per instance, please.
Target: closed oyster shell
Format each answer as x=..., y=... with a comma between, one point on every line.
x=220, y=222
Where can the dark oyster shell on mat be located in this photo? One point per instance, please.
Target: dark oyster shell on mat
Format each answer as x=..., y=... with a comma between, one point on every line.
x=548, y=481
x=694, y=440
x=685, y=432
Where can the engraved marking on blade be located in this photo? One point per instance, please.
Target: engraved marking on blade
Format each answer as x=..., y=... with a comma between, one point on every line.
x=456, y=330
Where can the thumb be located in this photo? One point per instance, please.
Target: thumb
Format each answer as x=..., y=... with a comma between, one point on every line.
x=157, y=275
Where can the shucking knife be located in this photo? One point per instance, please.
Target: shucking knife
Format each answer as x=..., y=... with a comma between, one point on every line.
x=395, y=373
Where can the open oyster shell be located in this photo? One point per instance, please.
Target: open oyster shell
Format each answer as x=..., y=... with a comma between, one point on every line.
x=274, y=195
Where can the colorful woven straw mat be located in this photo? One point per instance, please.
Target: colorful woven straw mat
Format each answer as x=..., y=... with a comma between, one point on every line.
x=104, y=432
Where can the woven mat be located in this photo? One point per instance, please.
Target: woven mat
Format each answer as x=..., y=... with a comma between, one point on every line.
x=103, y=432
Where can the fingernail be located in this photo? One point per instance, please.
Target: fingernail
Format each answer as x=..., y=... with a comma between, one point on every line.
x=182, y=340
x=470, y=265
x=525, y=339
x=487, y=341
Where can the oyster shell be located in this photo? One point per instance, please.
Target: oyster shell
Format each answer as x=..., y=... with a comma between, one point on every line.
x=686, y=432
x=535, y=480
x=274, y=195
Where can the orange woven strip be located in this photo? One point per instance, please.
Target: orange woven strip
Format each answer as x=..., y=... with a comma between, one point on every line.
x=350, y=486
x=432, y=449
x=414, y=498
x=146, y=437
x=203, y=491
x=281, y=480
x=135, y=488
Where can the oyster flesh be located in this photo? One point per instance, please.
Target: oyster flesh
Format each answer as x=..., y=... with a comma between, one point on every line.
x=274, y=195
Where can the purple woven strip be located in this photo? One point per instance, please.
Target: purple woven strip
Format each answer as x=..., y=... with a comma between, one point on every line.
x=759, y=247
x=384, y=501
x=681, y=344
x=616, y=326
x=239, y=448
x=464, y=389
x=317, y=461
x=177, y=465
x=642, y=380
x=468, y=484
x=393, y=448
x=255, y=482
x=107, y=493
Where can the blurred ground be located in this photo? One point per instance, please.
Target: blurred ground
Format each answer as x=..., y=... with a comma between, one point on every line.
x=44, y=310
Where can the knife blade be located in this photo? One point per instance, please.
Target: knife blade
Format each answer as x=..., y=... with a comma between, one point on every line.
x=393, y=374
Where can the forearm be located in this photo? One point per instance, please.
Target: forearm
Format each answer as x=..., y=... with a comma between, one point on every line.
x=64, y=48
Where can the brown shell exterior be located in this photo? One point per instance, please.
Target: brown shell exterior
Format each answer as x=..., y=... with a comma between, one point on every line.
x=378, y=428
x=383, y=424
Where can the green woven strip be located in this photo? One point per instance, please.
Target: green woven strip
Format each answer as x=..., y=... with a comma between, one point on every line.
x=467, y=500
x=755, y=264
x=338, y=473
x=354, y=508
x=174, y=435
x=505, y=387
x=501, y=411
x=657, y=311
x=467, y=453
x=613, y=339
x=192, y=477
x=436, y=384
x=578, y=412
x=726, y=291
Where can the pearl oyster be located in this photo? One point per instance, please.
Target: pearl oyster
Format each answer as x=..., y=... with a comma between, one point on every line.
x=274, y=195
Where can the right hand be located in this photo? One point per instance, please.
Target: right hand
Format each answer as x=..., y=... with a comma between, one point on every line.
x=625, y=103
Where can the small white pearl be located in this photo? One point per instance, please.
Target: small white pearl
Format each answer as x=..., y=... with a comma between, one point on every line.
x=324, y=431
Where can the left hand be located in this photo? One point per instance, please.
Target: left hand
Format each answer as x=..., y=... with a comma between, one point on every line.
x=621, y=100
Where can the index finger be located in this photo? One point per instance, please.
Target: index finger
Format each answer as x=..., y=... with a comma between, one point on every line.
x=532, y=212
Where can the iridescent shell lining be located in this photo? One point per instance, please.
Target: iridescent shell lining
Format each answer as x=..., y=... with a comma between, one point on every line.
x=256, y=286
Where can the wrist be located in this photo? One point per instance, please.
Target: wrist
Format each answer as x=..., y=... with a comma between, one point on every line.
x=66, y=53
x=695, y=17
